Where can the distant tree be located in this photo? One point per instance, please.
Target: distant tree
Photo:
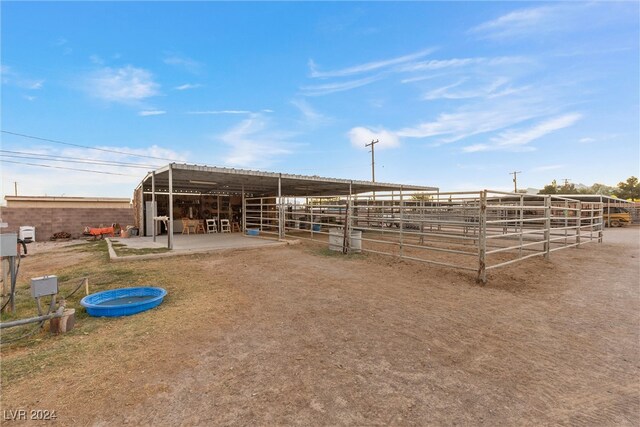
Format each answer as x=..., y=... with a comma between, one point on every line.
x=602, y=189
x=629, y=189
x=550, y=189
x=568, y=189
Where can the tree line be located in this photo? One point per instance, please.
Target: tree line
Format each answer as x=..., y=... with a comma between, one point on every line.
x=628, y=190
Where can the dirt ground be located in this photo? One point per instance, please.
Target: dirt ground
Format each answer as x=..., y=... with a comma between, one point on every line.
x=294, y=335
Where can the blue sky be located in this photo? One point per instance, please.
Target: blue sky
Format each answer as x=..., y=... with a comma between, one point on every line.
x=459, y=94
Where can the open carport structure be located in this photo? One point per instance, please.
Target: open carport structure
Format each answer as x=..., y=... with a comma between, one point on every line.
x=177, y=191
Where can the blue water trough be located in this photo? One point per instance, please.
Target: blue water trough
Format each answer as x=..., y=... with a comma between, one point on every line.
x=123, y=302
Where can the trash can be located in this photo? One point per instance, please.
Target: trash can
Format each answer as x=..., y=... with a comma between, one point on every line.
x=336, y=239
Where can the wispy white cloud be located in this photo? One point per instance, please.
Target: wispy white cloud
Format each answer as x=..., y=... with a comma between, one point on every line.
x=525, y=136
x=540, y=21
x=493, y=89
x=367, y=67
x=63, y=43
x=311, y=116
x=214, y=112
x=254, y=143
x=441, y=64
x=11, y=77
x=469, y=121
x=187, y=86
x=184, y=62
x=359, y=136
x=35, y=84
x=324, y=89
x=516, y=140
x=515, y=23
x=96, y=59
x=587, y=140
x=125, y=85
x=145, y=113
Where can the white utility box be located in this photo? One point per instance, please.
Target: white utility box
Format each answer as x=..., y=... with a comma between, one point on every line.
x=27, y=233
x=8, y=244
x=43, y=286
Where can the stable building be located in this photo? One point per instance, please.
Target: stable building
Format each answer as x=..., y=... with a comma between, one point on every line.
x=168, y=199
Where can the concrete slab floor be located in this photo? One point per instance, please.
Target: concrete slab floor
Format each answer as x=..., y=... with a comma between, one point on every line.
x=197, y=242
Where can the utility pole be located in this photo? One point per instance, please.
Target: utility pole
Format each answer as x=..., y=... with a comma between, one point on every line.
x=566, y=181
x=515, y=180
x=15, y=187
x=373, y=159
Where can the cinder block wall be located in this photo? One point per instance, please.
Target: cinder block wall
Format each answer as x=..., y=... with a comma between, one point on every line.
x=48, y=221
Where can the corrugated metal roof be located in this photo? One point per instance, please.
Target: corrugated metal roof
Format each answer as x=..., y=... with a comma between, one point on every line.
x=215, y=180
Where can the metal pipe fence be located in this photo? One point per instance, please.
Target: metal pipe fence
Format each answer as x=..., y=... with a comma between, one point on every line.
x=473, y=231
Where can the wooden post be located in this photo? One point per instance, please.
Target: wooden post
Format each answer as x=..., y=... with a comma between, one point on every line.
x=86, y=281
x=482, y=235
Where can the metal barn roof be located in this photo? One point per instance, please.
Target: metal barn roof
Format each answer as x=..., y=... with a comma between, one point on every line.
x=215, y=180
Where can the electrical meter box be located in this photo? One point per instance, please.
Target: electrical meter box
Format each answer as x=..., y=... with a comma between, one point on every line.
x=43, y=286
x=8, y=244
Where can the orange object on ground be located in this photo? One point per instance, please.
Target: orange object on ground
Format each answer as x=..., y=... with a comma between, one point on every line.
x=100, y=231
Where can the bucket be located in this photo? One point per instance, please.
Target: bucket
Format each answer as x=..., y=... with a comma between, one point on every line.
x=253, y=232
x=317, y=227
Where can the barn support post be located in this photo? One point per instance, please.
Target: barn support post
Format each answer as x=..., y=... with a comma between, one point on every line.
x=547, y=226
x=244, y=211
x=482, y=236
x=170, y=222
x=218, y=211
x=153, y=205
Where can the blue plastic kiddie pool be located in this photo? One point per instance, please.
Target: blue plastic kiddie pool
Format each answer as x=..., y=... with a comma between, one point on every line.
x=123, y=302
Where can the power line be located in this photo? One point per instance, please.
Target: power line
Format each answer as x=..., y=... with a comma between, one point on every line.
x=87, y=147
x=74, y=160
x=62, y=167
